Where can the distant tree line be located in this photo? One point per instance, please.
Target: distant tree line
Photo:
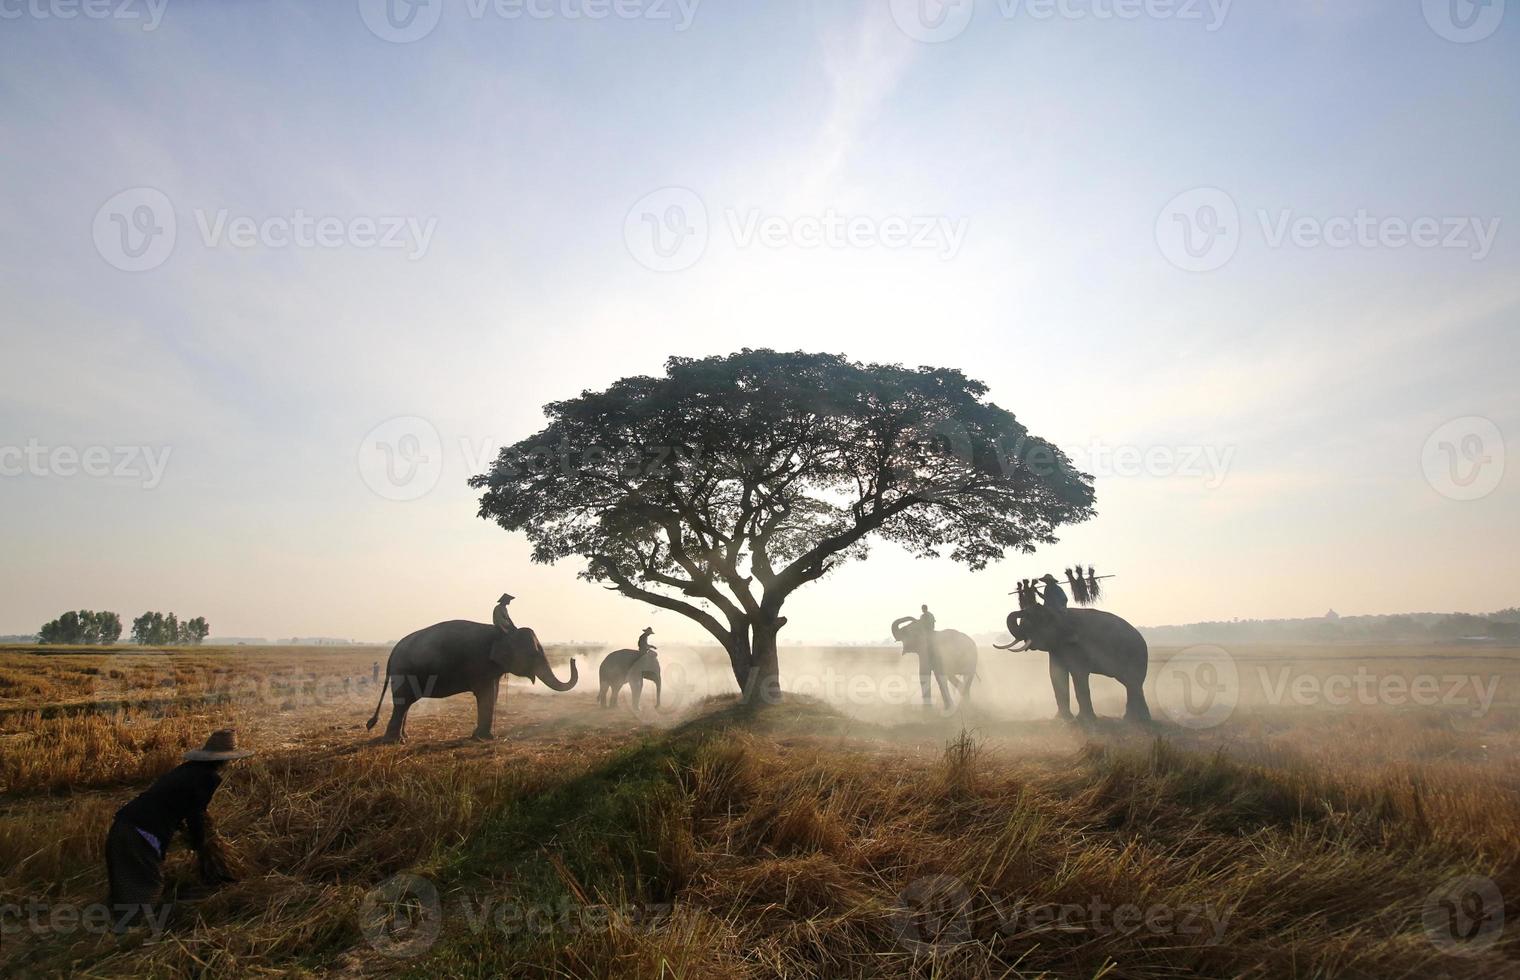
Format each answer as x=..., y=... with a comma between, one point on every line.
x=1499, y=627
x=83, y=627
x=156, y=629
x=89, y=628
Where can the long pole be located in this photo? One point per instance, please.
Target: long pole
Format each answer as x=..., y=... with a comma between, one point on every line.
x=1068, y=582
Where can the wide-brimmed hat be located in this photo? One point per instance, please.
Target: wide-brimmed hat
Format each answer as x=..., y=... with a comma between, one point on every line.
x=220, y=747
x=506, y=598
x=649, y=629
x=1047, y=577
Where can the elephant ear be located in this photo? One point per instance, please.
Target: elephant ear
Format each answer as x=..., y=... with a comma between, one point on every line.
x=513, y=652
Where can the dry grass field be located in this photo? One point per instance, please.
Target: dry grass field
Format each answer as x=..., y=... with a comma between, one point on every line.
x=1315, y=830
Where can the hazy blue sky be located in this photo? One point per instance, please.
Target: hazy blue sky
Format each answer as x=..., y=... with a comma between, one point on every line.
x=1306, y=408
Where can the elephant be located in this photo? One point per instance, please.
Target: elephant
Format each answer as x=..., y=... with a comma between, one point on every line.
x=457, y=656
x=954, y=657
x=632, y=668
x=1083, y=642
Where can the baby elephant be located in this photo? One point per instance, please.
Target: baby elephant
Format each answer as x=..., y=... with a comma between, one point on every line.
x=629, y=667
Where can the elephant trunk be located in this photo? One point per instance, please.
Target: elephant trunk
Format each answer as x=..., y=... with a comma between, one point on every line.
x=546, y=674
x=897, y=625
x=657, y=691
x=1015, y=620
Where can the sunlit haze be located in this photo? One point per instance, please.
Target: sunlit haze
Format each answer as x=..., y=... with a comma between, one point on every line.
x=1252, y=268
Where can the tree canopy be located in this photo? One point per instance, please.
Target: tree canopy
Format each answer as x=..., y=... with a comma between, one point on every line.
x=157, y=629
x=84, y=627
x=722, y=487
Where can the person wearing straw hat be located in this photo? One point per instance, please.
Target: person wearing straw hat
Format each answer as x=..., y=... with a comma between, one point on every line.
x=139, y=836
x=1055, y=596
x=501, y=617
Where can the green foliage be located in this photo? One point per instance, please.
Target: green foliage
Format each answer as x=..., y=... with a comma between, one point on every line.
x=719, y=489
x=157, y=629
x=82, y=628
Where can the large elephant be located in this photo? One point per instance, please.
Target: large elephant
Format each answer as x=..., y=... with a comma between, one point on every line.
x=628, y=667
x=458, y=656
x=954, y=657
x=1083, y=642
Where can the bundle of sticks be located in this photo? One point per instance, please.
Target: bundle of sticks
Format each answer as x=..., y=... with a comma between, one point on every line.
x=1085, y=588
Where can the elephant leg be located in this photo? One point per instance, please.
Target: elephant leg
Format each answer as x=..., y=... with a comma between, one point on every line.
x=1084, y=696
x=601, y=695
x=944, y=688
x=485, y=710
x=1060, y=683
x=401, y=703
x=617, y=688
x=923, y=684
x=635, y=690
x=1135, y=708
x=966, y=680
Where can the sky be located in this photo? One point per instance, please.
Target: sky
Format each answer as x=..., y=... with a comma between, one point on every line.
x=278, y=278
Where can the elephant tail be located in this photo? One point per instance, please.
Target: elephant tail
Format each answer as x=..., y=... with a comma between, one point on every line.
x=383, y=687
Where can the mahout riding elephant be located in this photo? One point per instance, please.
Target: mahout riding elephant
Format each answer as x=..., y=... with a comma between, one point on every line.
x=458, y=656
x=1083, y=642
x=629, y=667
x=954, y=656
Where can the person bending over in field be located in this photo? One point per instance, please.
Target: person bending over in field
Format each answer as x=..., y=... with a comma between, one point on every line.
x=139, y=836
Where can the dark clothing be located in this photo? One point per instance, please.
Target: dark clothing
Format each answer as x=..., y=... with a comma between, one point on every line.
x=133, y=868
x=178, y=797
x=645, y=646
x=502, y=618
x=926, y=623
x=1055, y=596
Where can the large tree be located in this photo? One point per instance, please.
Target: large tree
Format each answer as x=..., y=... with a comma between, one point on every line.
x=721, y=488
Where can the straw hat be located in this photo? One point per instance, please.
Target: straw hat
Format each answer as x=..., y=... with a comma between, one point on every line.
x=220, y=747
x=506, y=598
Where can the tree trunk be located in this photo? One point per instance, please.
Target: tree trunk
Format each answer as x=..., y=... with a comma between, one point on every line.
x=763, y=683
